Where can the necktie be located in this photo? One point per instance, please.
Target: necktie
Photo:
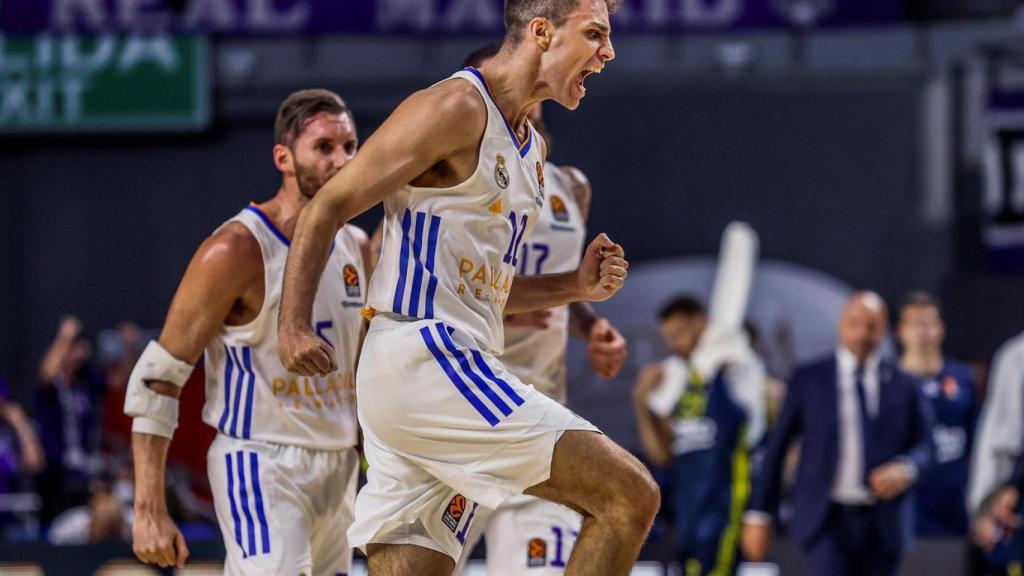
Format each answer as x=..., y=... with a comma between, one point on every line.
x=865, y=416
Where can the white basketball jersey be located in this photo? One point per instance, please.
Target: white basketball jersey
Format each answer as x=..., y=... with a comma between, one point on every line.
x=249, y=393
x=451, y=253
x=537, y=356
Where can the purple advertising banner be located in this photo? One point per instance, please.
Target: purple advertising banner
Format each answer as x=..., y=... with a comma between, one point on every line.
x=416, y=17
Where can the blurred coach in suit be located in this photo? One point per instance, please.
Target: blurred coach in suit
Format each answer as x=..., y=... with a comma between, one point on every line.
x=866, y=437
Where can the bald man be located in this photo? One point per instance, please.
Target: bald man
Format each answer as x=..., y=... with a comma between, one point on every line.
x=865, y=431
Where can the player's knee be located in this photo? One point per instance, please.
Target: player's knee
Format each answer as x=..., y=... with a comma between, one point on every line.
x=647, y=496
x=636, y=498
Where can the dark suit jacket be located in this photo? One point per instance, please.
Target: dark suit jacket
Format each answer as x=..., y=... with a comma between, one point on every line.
x=901, y=429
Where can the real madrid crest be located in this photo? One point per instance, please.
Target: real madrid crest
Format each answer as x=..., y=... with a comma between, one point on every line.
x=501, y=173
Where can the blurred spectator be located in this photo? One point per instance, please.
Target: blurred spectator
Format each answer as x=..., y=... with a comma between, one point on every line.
x=866, y=436
x=21, y=457
x=699, y=425
x=105, y=517
x=20, y=452
x=119, y=350
x=997, y=448
x=67, y=403
x=949, y=387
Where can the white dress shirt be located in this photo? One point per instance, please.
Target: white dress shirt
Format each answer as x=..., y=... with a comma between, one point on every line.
x=849, y=487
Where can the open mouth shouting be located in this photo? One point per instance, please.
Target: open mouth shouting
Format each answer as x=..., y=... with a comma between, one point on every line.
x=583, y=76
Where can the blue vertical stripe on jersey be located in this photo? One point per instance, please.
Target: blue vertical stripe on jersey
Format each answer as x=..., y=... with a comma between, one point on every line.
x=229, y=367
x=486, y=370
x=435, y=226
x=254, y=468
x=468, y=370
x=243, y=495
x=403, y=263
x=231, y=500
x=417, y=276
x=239, y=383
x=442, y=360
x=247, y=358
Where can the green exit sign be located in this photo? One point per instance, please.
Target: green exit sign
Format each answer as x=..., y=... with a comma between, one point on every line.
x=106, y=83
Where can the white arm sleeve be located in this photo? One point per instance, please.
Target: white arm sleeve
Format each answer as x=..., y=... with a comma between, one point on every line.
x=155, y=413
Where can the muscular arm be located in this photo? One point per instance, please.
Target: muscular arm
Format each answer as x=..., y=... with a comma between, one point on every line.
x=431, y=126
x=225, y=266
x=540, y=292
x=599, y=276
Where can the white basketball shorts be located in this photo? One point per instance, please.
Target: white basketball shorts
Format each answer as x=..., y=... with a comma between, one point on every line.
x=283, y=509
x=447, y=429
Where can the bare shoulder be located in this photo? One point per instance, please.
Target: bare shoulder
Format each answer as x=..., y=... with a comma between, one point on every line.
x=454, y=109
x=232, y=254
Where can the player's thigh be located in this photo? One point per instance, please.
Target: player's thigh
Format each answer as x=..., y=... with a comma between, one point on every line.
x=265, y=527
x=332, y=553
x=407, y=560
x=531, y=537
x=590, y=472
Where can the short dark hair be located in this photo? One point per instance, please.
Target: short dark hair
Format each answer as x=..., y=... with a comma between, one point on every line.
x=518, y=14
x=485, y=52
x=299, y=108
x=920, y=299
x=682, y=305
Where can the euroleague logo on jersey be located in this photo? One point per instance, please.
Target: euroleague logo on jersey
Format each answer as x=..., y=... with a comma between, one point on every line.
x=536, y=553
x=501, y=173
x=454, y=511
x=351, y=276
x=558, y=208
x=540, y=186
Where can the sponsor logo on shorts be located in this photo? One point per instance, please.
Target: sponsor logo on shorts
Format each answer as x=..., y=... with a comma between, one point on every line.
x=351, y=281
x=453, y=513
x=537, y=553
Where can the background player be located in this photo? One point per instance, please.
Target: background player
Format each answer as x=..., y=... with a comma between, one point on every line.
x=282, y=468
x=940, y=496
x=529, y=535
x=446, y=426
x=701, y=409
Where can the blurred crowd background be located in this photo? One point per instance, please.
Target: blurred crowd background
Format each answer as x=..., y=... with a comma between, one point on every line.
x=872, y=144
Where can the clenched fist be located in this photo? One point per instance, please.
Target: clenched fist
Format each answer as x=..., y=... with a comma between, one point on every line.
x=603, y=270
x=304, y=353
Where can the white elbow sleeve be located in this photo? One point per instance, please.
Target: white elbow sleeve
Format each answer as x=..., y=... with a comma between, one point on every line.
x=155, y=413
